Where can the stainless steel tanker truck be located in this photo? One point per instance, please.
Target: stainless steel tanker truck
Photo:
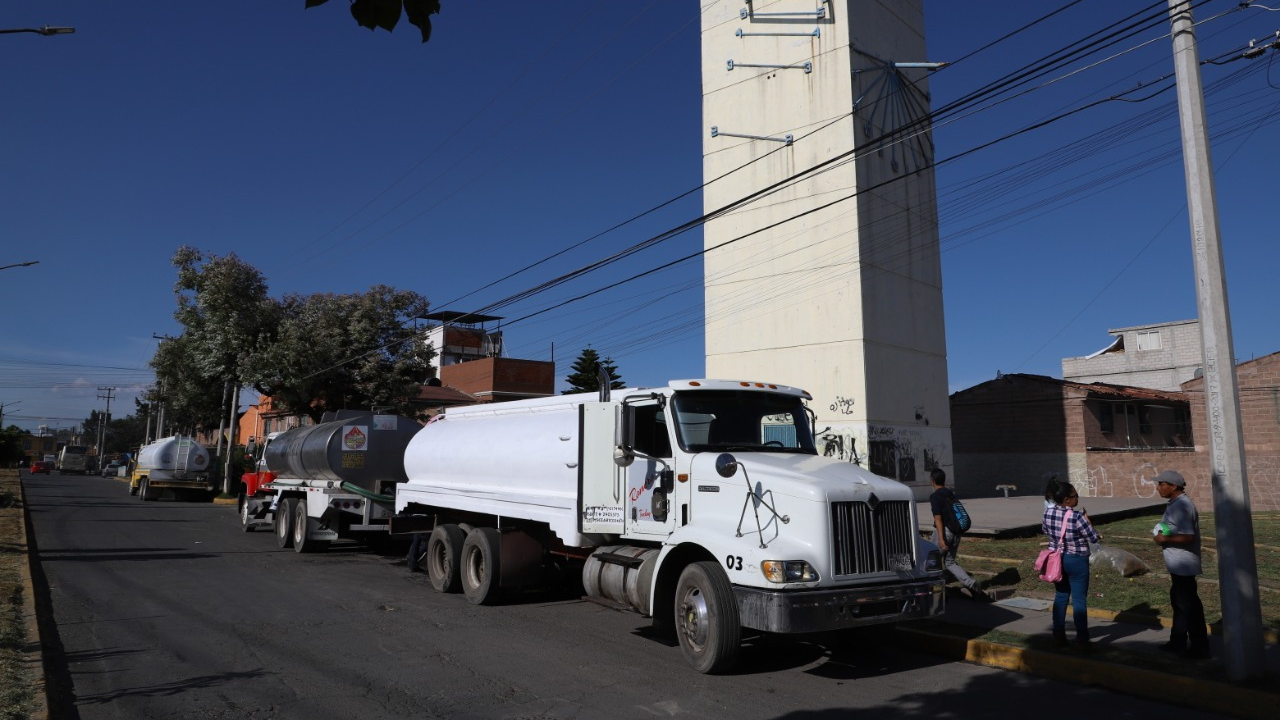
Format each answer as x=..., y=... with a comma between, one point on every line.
x=703, y=504
x=332, y=480
x=177, y=463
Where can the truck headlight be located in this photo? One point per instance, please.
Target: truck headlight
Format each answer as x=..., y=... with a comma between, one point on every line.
x=788, y=571
x=933, y=561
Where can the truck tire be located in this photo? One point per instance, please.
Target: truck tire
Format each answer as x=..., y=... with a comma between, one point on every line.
x=246, y=520
x=481, y=567
x=302, y=542
x=707, y=624
x=284, y=523
x=133, y=489
x=145, y=490
x=444, y=558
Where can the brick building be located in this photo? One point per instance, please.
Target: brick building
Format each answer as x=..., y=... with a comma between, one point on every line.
x=1259, y=382
x=1109, y=440
x=1161, y=356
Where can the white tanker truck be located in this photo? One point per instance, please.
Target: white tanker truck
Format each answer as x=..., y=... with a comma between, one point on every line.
x=336, y=479
x=703, y=504
x=176, y=463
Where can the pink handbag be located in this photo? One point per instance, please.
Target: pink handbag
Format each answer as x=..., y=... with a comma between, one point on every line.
x=1049, y=562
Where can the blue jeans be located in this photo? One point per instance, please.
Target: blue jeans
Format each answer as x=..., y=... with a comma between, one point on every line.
x=1075, y=585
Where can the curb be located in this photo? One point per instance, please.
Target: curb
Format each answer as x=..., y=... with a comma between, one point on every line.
x=33, y=652
x=1207, y=695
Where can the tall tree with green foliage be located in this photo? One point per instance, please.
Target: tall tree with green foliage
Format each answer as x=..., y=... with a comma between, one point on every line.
x=191, y=395
x=226, y=317
x=344, y=351
x=584, y=377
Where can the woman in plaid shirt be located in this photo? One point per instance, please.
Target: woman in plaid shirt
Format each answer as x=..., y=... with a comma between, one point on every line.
x=1075, y=563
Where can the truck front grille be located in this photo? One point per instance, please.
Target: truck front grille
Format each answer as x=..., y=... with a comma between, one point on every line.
x=872, y=537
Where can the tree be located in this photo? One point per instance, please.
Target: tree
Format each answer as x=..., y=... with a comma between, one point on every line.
x=11, y=446
x=385, y=14
x=192, y=397
x=227, y=317
x=584, y=378
x=344, y=351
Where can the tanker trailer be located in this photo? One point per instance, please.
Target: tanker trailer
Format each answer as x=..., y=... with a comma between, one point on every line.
x=333, y=480
x=704, y=505
x=177, y=463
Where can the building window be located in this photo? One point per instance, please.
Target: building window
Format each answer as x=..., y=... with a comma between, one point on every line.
x=1106, y=418
x=1149, y=340
x=1144, y=419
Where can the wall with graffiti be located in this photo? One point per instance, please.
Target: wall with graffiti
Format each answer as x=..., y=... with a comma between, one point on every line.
x=904, y=453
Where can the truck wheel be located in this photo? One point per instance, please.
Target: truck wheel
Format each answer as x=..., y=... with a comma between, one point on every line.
x=133, y=489
x=246, y=519
x=480, y=567
x=444, y=553
x=302, y=541
x=284, y=522
x=707, y=618
x=145, y=491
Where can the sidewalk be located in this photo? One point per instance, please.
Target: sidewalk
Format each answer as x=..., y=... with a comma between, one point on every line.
x=1015, y=633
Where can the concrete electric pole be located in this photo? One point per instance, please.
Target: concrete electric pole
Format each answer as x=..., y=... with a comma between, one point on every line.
x=1237, y=563
x=105, y=393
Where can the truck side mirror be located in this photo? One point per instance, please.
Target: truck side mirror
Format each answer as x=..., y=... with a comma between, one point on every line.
x=667, y=480
x=726, y=465
x=624, y=436
x=623, y=457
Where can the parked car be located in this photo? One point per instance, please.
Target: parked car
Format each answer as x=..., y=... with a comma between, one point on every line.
x=112, y=469
x=42, y=466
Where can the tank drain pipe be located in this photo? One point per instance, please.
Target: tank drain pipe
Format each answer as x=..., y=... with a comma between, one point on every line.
x=349, y=487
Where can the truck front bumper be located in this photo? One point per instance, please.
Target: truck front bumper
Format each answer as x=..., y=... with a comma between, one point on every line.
x=806, y=611
x=180, y=484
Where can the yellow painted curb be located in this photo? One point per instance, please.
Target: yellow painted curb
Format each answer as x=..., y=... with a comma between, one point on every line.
x=33, y=655
x=1206, y=695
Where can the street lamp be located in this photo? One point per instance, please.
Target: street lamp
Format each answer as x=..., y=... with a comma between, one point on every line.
x=46, y=30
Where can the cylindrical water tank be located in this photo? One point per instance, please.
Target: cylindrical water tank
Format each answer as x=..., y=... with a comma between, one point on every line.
x=621, y=573
x=363, y=450
x=177, y=454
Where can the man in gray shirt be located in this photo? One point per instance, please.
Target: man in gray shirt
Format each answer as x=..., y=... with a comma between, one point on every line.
x=1179, y=535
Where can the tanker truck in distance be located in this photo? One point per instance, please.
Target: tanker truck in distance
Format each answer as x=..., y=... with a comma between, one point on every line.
x=177, y=463
x=332, y=480
x=703, y=504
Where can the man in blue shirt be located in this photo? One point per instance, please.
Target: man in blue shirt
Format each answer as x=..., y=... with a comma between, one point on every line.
x=1179, y=535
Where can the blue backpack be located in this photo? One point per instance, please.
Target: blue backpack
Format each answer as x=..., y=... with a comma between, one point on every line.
x=957, y=518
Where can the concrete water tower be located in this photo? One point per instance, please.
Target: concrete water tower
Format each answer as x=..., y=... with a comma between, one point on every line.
x=830, y=280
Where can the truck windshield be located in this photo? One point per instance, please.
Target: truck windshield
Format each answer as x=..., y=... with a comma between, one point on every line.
x=724, y=420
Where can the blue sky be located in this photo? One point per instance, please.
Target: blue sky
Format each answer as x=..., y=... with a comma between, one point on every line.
x=333, y=158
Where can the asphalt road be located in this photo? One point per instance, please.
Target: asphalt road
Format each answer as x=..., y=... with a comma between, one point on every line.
x=166, y=609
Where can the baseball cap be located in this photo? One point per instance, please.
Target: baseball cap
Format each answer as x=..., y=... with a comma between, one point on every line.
x=1171, y=477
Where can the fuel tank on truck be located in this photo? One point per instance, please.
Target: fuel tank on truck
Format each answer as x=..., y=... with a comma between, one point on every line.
x=178, y=454
x=361, y=448
x=517, y=459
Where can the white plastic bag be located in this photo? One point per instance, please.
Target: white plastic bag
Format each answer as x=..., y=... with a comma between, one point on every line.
x=1125, y=562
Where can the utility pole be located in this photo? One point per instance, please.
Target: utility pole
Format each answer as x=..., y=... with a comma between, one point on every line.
x=1237, y=563
x=231, y=436
x=2, y=407
x=106, y=418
